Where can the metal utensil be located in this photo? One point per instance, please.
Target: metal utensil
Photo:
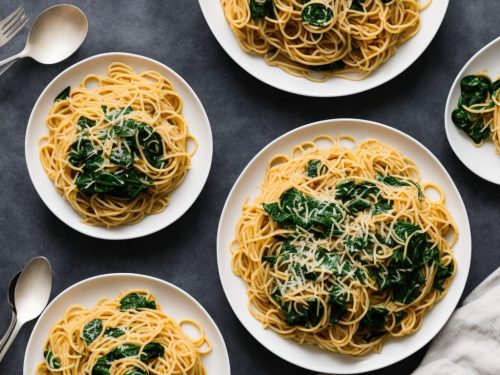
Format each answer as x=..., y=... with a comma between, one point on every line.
x=10, y=298
x=12, y=24
x=55, y=35
x=28, y=294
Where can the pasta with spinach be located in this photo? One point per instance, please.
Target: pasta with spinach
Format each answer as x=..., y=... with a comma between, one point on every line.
x=478, y=109
x=117, y=145
x=128, y=335
x=321, y=39
x=343, y=248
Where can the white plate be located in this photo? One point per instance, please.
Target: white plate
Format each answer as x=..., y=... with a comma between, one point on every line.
x=180, y=199
x=405, y=55
x=483, y=160
x=310, y=357
x=174, y=301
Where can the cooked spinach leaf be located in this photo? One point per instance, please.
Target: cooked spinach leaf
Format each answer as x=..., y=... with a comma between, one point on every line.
x=337, y=300
x=315, y=168
x=123, y=351
x=357, y=5
x=261, y=8
x=151, y=145
x=442, y=273
x=85, y=123
x=122, y=156
x=382, y=205
x=52, y=361
x=393, y=181
x=81, y=150
x=349, y=190
x=375, y=318
x=306, y=315
x=151, y=351
x=297, y=209
x=136, y=301
x=271, y=259
x=63, y=95
x=404, y=273
x=475, y=90
x=92, y=330
x=113, y=332
x=316, y=14
x=123, y=184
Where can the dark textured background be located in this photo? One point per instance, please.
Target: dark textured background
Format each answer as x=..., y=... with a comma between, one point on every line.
x=239, y=107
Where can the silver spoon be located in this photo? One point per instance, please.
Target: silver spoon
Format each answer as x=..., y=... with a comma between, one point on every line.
x=29, y=298
x=55, y=35
x=10, y=298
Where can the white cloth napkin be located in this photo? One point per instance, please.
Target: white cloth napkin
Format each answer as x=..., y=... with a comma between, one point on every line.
x=470, y=341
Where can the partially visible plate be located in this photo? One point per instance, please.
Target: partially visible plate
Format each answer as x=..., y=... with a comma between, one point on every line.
x=174, y=301
x=406, y=54
x=483, y=160
x=310, y=357
x=180, y=199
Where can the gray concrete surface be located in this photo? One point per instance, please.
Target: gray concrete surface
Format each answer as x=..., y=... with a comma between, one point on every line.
x=245, y=115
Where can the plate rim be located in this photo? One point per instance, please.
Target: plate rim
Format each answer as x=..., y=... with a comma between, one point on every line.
x=333, y=122
x=399, y=71
x=447, y=121
x=164, y=283
x=125, y=235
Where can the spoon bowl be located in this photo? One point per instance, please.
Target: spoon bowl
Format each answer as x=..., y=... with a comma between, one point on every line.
x=56, y=34
x=28, y=294
x=33, y=289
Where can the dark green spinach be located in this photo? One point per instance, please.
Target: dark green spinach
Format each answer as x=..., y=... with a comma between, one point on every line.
x=297, y=209
x=137, y=302
x=316, y=14
x=52, y=361
x=316, y=168
x=63, y=95
x=92, y=330
x=85, y=123
x=113, y=332
x=261, y=8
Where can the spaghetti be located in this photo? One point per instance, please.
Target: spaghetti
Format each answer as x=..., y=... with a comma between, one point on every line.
x=342, y=248
x=478, y=109
x=117, y=145
x=321, y=39
x=129, y=335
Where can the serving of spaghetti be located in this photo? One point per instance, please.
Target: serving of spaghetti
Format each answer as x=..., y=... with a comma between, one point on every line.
x=129, y=335
x=321, y=39
x=117, y=145
x=344, y=248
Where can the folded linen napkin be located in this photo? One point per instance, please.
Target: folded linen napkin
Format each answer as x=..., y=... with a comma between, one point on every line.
x=470, y=342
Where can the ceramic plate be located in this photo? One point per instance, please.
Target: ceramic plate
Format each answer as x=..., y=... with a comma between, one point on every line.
x=174, y=301
x=310, y=357
x=405, y=55
x=483, y=160
x=180, y=199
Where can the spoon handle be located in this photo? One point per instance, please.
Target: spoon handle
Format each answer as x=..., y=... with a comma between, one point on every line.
x=7, y=63
x=9, y=336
